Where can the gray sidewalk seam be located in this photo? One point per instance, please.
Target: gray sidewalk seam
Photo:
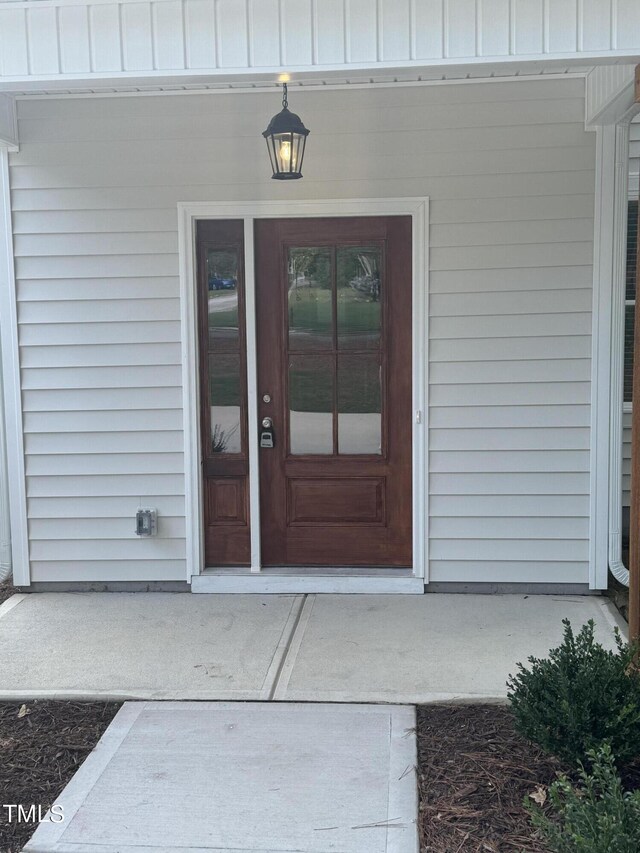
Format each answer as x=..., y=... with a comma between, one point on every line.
x=289, y=660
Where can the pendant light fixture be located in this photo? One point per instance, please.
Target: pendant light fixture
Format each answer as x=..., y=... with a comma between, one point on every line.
x=286, y=138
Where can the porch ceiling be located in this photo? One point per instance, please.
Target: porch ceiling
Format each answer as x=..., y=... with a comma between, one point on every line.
x=80, y=45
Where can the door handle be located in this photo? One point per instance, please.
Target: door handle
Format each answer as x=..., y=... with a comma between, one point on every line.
x=267, y=439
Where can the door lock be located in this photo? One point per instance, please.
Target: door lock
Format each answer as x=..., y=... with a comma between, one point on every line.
x=266, y=433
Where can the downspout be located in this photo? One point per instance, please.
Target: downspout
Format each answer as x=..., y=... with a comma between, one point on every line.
x=6, y=566
x=616, y=566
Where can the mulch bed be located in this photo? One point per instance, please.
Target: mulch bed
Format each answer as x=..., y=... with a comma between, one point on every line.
x=474, y=771
x=39, y=753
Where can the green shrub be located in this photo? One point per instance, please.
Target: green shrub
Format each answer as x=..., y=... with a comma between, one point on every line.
x=595, y=817
x=579, y=697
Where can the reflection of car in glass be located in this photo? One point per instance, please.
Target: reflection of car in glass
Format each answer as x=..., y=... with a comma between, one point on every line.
x=216, y=282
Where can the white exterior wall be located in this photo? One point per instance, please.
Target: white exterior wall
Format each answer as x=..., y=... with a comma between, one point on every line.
x=509, y=170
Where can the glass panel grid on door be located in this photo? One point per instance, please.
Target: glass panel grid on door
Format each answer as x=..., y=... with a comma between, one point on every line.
x=336, y=361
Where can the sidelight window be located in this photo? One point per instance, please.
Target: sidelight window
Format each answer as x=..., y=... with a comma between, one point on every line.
x=224, y=365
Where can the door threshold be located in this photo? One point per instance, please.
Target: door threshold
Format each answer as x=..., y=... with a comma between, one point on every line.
x=294, y=580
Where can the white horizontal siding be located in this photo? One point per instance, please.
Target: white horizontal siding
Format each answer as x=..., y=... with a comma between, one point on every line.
x=103, y=39
x=508, y=168
x=110, y=355
x=99, y=571
x=107, y=485
x=76, y=508
x=509, y=416
x=507, y=571
x=147, y=420
x=516, y=483
x=87, y=399
x=165, y=441
x=525, y=438
x=534, y=370
x=102, y=528
x=64, y=378
x=508, y=506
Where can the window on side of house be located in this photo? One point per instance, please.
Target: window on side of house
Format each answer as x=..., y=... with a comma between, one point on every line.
x=630, y=297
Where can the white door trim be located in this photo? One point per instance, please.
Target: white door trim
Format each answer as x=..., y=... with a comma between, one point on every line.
x=11, y=386
x=188, y=214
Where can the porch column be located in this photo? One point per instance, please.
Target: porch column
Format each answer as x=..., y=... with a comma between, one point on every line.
x=634, y=522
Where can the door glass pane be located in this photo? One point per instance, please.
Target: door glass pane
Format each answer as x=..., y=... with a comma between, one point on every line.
x=358, y=297
x=311, y=404
x=359, y=404
x=310, y=298
x=222, y=278
x=224, y=390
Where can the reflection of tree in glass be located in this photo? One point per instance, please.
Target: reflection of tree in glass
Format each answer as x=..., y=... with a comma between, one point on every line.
x=220, y=438
x=222, y=263
x=310, y=266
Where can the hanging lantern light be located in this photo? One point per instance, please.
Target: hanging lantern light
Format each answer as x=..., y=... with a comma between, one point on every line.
x=286, y=139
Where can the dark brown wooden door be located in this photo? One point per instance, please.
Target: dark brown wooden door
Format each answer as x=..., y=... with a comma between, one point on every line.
x=334, y=374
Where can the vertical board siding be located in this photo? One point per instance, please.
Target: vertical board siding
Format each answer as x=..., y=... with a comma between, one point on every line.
x=137, y=37
x=232, y=47
x=76, y=37
x=200, y=34
x=264, y=33
x=14, y=55
x=510, y=284
x=105, y=42
x=42, y=23
x=298, y=42
x=169, y=35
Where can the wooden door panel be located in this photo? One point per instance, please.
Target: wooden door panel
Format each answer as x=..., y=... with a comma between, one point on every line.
x=226, y=500
x=327, y=501
x=334, y=355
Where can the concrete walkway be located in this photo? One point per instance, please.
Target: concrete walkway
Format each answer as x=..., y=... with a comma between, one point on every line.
x=321, y=648
x=172, y=777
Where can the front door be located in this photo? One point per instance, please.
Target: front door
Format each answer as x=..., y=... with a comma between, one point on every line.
x=333, y=300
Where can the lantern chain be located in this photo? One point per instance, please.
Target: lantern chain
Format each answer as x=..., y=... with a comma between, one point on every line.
x=285, y=103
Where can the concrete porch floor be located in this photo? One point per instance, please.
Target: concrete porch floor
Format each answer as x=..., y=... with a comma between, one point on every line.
x=320, y=648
